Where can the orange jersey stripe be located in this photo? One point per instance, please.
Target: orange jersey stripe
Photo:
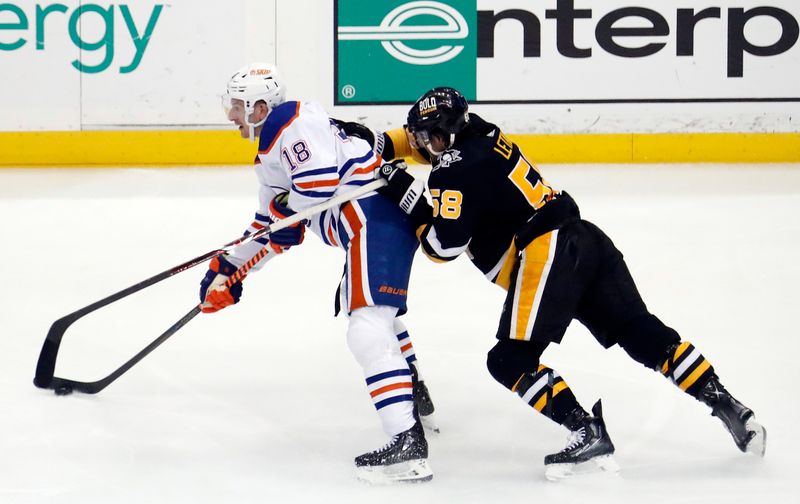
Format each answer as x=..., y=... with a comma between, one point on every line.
x=406, y=347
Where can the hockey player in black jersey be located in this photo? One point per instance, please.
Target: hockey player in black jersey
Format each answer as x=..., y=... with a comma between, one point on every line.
x=490, y=200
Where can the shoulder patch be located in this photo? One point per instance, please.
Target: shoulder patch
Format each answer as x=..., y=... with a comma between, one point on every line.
x=447, y=158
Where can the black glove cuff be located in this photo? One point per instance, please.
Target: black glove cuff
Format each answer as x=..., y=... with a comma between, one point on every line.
x=408, y=193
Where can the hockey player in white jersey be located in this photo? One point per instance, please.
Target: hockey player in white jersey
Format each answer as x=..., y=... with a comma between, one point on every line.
x=304, y=159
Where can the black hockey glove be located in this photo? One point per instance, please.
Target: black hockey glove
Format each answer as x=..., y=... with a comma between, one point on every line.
x=373, y=137
x=406, y=191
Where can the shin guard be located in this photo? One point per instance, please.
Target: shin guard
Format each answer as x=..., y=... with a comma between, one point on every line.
x=686, y=367
x=547, y=393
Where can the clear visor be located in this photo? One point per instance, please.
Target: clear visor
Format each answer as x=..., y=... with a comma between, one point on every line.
x=422, y=139
x=233, y=107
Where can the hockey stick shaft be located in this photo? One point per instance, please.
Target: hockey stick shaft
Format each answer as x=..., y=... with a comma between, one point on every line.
x=45, y=366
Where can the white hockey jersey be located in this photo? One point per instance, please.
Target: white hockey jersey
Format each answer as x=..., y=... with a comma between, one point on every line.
x=303, y=152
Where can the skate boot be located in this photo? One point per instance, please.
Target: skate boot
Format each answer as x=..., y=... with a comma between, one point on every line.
x=404, y=458
x=739, y=420
x=589, y=449
x=423, y=405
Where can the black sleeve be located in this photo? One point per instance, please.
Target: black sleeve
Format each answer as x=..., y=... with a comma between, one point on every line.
x=454, y=214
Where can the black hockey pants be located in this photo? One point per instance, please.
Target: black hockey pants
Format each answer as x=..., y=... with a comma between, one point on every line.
x=583, y=276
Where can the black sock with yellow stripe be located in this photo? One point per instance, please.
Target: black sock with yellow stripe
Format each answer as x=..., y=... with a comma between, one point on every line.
x=547, y=393
x=687, y=368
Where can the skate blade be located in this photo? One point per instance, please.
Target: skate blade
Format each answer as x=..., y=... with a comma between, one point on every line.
x=758, y=444
x=429, y=423
x=604, y=463
x=412, y=471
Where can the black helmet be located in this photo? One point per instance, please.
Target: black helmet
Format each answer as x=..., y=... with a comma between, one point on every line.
x=442, y=110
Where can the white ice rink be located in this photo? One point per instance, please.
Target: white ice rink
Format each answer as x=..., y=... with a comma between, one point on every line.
x=262, y=403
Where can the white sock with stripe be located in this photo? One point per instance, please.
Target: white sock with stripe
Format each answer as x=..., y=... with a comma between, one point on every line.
x=372, y=340
x=404, y=340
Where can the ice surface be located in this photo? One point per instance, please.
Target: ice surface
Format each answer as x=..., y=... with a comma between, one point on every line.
x=263, y=402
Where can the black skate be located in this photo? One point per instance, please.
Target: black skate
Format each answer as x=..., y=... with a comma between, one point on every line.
x=404, y=458
x=589, y=448
x=749, y=435
x=423, y=405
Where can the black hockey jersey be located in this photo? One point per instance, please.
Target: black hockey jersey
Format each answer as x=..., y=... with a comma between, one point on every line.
x=483, y=191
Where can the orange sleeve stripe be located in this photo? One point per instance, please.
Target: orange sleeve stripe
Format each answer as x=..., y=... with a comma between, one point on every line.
x=317, y=183
x=367, y=169
x=406, y=347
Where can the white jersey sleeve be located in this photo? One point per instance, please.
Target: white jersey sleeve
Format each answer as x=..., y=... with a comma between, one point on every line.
x=243, y=253
x=301, y=151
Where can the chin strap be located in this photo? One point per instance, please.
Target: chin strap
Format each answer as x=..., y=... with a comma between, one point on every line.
x=252, y=126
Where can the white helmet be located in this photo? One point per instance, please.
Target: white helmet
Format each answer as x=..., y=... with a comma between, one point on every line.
x=253, y=83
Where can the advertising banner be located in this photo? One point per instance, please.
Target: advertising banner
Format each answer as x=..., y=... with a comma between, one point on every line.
x=72, y=64
x=568, y=51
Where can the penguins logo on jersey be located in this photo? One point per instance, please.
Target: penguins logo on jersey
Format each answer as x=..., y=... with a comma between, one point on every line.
x=447, y=158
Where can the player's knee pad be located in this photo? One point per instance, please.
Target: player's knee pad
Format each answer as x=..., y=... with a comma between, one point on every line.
x=370, y=335
x=646, y=339
x=510, y=359
x=686, y=367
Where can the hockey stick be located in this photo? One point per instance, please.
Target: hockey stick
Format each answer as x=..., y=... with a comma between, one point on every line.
x=45, y=367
